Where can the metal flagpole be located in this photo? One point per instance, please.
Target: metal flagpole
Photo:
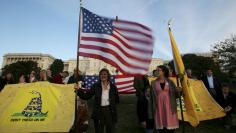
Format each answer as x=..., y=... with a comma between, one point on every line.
x=77, y=68
x=179, y=77
x=180, y=102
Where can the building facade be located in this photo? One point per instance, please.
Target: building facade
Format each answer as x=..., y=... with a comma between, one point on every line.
x=88, y=66
x=204, y=54
x=43, y=60
x=154, y=63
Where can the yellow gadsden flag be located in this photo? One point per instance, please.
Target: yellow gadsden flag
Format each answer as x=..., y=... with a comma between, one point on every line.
x=37, y=107
x=198, y=104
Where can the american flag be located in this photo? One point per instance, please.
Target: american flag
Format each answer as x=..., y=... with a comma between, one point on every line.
x=128, y=46
x=123, y=83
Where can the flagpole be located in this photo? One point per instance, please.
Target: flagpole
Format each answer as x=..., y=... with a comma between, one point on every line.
x=77, y=68
x=180, y=102
x=179, y=76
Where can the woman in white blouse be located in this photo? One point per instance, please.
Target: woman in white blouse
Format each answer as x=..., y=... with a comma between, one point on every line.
x=106, y=97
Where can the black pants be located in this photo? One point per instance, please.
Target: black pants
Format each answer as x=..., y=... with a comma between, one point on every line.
x=105, y=121
x=165, y=131
x=150, y=124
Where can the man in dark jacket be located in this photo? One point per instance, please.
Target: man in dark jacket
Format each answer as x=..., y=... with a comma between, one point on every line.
x=213, y=85
x=145, y=112
x=227, y=102
x=141, y=84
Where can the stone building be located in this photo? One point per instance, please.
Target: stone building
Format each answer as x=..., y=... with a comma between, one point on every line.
x=92, y=66
x=43, y=60
x=87, y=65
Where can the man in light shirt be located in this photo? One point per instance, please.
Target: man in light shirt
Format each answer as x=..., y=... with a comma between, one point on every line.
x=213, y=85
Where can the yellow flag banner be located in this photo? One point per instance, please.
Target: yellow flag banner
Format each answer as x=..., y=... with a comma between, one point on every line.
x=206, y=107
x=189, y=99
x=191, y=102
x=37, y=107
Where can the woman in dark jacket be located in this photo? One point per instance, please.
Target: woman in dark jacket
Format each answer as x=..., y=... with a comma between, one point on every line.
x=104, y=108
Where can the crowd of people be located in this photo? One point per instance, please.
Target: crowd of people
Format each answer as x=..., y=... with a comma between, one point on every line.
x=42, y=75
x=156, y=99
x=222, y=95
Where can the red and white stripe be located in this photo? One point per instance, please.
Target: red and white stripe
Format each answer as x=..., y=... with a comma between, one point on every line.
x=124, y=84
x=129, y=48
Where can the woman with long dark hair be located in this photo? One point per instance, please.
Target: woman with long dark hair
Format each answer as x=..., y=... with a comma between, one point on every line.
x=164, y=101
x=106, y=97
x=8, y=79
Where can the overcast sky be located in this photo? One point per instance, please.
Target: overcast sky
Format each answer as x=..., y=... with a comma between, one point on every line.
x=50, y=26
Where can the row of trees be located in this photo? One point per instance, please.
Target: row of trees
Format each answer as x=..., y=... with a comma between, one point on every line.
x=198, y=64
x=25, y=67
x=223, y=62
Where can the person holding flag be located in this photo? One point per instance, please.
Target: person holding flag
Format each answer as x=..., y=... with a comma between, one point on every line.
x=106, y=97
x=164, y=101
x=126, y=45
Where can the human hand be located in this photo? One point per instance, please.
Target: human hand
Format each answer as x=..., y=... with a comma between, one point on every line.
x=78, y=85
x=228, y=108
x=143, y=124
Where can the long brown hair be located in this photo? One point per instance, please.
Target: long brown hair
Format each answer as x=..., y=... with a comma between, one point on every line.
x=165, y=70
x=105, y=70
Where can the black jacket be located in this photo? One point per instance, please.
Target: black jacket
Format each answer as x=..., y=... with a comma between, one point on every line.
x=142, y=109
x=73, y=79
x=216, y=82
x=96, y=90
x=228, y=101
x=217, y=87
x=140, y=85
x=4, y=82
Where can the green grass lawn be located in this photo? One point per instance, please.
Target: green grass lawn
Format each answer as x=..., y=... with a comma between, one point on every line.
x=128, y=122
